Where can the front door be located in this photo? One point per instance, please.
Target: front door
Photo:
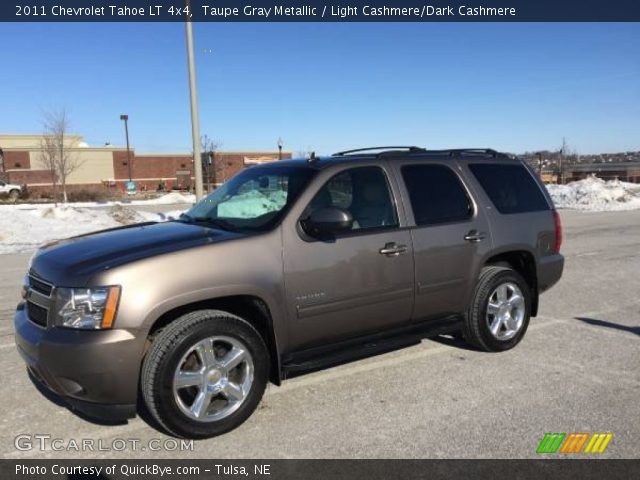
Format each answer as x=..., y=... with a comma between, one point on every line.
x=359, y=282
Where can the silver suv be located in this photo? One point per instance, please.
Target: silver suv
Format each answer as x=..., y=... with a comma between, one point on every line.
x=287, y=268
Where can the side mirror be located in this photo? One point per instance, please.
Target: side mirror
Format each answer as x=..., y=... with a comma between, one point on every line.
x=328, y=220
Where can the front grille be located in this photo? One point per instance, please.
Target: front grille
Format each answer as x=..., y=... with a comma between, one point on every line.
x=40, y=286
x=37, y=314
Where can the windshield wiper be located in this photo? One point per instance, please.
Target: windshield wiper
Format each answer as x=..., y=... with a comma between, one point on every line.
x=214, y=222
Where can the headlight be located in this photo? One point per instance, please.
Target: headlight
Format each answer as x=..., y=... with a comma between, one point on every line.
x=86, y=308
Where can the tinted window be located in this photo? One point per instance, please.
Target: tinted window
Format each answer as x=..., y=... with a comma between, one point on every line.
x=364, y=192
x=436, y=194
x=510, y=187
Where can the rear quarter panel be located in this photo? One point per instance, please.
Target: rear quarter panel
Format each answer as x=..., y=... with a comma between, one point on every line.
x=533, y=232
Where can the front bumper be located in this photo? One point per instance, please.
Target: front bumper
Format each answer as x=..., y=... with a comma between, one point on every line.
x=95, y=371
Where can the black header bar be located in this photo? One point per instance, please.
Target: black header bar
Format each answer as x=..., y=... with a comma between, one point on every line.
x=320, y=11
x=113, y=469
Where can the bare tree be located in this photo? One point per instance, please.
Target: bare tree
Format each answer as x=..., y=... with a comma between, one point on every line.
x=48, y=155
x=567, y=156
x=56, y=128
x=2, y=169
x=211, y=166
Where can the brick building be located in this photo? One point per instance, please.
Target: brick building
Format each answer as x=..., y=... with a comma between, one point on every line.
x=106, y=167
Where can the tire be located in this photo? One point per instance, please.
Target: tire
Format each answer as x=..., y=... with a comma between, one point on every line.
x=512, y=318
x=174, y=352
x=14, y=194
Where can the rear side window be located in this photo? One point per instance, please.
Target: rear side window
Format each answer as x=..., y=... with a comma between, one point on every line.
x=510, y=187
x=436, y=194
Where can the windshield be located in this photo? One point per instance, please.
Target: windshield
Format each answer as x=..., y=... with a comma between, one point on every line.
x=255, y=199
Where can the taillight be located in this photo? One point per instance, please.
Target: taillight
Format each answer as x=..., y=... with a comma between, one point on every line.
x=558, y=224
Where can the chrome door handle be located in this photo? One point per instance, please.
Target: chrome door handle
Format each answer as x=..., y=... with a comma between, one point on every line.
x=392, y=249
x=474, y=236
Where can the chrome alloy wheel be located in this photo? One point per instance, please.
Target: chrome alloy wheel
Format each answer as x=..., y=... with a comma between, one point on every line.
x=213, y=378
x=506, y=311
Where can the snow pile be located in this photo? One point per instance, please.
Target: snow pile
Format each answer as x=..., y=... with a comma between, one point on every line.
x=23, y=228
x=166, y=199
x=125, y=215
x=596, y=195
x=161, y=216
x=252, y=204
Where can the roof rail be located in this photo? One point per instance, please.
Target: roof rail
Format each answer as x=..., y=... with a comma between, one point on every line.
x=368, y=149
x=471, y=151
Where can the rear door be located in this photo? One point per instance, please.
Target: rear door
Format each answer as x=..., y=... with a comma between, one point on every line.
x=358, y=282
x=450, y=235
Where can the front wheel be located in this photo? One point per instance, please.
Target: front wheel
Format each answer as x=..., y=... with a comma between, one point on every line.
x=498, y=316
x=14, y=195
x=204, y=374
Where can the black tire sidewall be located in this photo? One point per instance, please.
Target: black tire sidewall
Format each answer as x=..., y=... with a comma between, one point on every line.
x=505, y=276
x=170, y=414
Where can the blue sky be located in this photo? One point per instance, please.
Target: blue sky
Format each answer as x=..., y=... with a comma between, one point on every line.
x=327, y=87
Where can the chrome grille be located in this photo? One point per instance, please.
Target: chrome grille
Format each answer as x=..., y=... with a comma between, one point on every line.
x=38, y=293
x=40, y=286
x=37, y=314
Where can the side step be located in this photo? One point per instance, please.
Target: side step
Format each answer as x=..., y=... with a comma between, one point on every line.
x=320, y=358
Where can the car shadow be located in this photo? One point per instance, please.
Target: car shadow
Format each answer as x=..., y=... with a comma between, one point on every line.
x=145, y=415
x=141, y=409
x=453, y=340
x=606, y=324
x=59, y=401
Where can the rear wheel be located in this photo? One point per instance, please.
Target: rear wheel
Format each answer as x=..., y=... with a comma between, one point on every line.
x=205, y=374
x=498, y=316
x=14, y=194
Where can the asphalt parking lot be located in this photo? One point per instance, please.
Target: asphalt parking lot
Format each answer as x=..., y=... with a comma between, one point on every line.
x=575, y=371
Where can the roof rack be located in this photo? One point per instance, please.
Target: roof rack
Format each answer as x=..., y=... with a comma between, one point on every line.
x=386, y=148
x=472, y=151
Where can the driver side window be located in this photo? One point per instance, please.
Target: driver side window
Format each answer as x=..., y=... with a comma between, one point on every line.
x=364, y=193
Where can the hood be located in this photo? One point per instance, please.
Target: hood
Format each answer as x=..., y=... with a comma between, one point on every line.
x=71, y=262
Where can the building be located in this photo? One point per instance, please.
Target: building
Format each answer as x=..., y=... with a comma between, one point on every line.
x=625, y=171
x=107, y=167
x=624, y=166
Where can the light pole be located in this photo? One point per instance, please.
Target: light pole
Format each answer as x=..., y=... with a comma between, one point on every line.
x=539, y=164
x=193, y=95
x=125, y=118
x=279, y=148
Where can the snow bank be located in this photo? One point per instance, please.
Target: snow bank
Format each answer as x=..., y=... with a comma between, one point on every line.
x=166, y=199
x=596, y=195
x=23, y=228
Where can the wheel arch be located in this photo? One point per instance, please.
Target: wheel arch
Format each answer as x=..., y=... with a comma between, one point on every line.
x=522, y=261
x=251, y=308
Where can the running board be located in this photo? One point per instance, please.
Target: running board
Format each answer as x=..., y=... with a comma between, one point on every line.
x=320, y=358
